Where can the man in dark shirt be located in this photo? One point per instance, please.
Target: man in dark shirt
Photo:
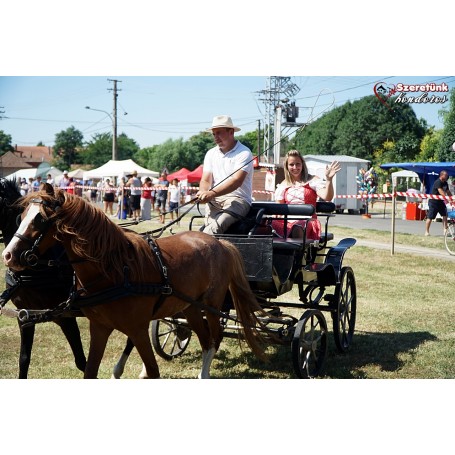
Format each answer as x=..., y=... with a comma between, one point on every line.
x=161, y=196
x=435, y=206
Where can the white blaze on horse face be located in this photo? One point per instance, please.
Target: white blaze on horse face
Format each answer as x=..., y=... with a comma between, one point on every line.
x=9, y=251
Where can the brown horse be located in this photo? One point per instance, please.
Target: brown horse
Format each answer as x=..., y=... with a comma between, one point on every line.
x=123, y=285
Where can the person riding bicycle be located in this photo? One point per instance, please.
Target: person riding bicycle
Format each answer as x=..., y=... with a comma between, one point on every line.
x=435, y=206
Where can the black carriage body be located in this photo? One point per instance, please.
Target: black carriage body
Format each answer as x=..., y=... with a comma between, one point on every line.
x=273, y=265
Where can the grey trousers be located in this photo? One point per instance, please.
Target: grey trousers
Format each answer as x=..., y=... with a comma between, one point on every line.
x=218, y=215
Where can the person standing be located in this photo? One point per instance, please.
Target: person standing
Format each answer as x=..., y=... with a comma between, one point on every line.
x=135, y=185
x=24, y=187
x=174, y=198
x=226, y=185
x=435, y=206
x=161, y=196
x=64, y=182
x=146, y=200
x=299, y=187
x=36, y=184
x=109, y=196
x=71, y=186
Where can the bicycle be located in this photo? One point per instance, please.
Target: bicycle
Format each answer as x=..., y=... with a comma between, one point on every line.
x=449, y=236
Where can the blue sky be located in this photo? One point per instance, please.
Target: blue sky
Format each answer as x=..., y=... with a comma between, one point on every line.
x=153, y=109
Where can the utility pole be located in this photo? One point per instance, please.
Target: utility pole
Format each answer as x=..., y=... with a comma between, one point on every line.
x=259, y=140
x=114, y=119
x=278, y=90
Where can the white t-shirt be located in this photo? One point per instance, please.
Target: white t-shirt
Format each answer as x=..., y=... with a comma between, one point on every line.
x=174, y=194
x=222, y=165
x=315, y=183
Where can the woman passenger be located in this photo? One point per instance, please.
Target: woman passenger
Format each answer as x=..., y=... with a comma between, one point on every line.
x=299, y=187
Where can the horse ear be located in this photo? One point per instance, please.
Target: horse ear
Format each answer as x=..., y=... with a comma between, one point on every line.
x=48, y=188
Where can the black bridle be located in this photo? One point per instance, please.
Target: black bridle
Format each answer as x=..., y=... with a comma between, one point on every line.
x=30, y=258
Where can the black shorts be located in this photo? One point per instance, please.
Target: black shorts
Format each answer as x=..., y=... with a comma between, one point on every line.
x=109, y=197
x=435, y=207
x=135, y=202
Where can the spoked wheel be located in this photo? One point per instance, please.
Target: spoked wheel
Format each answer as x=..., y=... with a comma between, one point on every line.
x=449, y=239
x=309, y=344
x=344, y=318
x=169, y=338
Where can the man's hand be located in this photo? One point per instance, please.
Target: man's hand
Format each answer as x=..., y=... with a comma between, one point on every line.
x=206, y=196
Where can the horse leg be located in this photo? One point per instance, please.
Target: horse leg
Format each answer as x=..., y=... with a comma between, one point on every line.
x=99, y=334
x=201, y=328
x=120, y=366
x=142, y=343
x=27, y=335
x=216, y=335
x=71, y=331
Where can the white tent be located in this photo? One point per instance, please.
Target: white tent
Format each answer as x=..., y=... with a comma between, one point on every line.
x=404, y=174
x=77, y=173
x=119, y=168
x=34, y=172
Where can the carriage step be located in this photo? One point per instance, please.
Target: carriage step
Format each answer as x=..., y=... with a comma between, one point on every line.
x=326, y=275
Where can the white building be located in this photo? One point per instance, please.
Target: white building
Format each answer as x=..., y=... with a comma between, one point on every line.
x=345, y=182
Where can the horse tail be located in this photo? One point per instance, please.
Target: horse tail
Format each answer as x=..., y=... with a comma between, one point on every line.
x=245, y=303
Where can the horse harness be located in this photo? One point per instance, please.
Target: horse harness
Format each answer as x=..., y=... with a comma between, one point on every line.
x=77, y=301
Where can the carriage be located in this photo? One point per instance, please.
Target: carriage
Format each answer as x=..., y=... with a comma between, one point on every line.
x=273, y=266
x=226, y=299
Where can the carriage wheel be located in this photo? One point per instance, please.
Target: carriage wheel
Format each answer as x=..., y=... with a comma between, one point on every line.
x=344, y=317
x=449, y=239
x=309, y=344
x=169, y=338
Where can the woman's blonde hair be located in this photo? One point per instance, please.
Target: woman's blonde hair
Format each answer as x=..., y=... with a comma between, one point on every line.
x=287, y=175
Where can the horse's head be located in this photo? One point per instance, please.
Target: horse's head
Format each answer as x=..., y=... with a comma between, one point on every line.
x=34, y=235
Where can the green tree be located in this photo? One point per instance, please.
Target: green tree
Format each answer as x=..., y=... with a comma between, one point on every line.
x=98, y=151
x=360, y=128
x=317, y=138
x=5, y=143
x=445, y=151
x=66, y=146
x=176, y=153
x=167, y=155
x=429, y=146
x=250, y=139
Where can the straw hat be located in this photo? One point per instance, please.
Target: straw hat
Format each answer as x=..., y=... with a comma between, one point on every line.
x=222, y=121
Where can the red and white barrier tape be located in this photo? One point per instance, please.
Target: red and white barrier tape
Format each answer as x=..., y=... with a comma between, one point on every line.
x=337, y=196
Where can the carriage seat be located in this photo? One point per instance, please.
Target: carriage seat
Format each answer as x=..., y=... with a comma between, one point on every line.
x=290, y=211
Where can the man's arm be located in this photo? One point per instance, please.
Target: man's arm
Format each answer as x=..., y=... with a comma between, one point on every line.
x=205, y=194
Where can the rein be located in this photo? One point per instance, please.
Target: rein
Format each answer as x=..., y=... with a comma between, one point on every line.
x=76, y=302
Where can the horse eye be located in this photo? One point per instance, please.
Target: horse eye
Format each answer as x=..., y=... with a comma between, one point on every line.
x=39, y=221
x=18, y=220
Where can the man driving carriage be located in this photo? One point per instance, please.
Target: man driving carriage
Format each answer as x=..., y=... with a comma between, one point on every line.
x=227, y=180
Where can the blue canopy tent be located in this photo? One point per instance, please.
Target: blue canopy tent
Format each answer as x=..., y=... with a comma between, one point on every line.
x=427, y=172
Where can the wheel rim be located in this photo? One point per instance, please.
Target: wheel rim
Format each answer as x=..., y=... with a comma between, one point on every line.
x=169, y=339
x=449, y=239
x=344, y=318
x=309, y=345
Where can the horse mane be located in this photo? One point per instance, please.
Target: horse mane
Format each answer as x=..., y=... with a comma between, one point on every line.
x=9, y=190
x=95, y=237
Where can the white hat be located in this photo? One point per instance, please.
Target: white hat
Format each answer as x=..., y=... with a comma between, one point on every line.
x=222, y=121
x=65, y=172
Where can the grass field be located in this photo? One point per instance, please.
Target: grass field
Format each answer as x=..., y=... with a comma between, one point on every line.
x=404, y=327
